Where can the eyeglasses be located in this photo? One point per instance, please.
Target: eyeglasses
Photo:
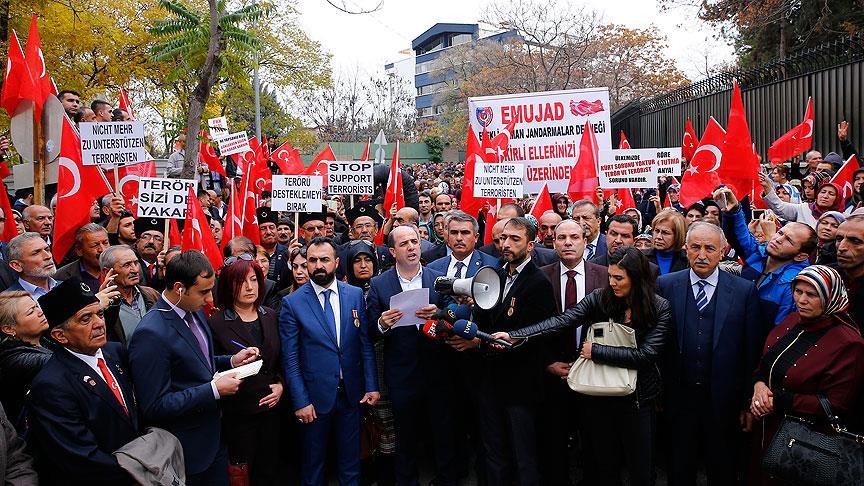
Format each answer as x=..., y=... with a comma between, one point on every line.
x=232, y=259
x=298, y=251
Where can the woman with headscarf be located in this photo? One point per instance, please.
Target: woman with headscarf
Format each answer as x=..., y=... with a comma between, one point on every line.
x=826, y=231
x=829, y=197
x=561, y=204
x=814, y=351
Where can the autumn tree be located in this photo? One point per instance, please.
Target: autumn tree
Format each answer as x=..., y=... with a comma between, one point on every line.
x=765, y=30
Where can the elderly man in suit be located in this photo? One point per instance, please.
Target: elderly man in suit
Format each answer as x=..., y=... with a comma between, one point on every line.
x=81, y=403
x=173, y=366
x=718, y=336
x=572, y=279
x=329, y=364
x=410, y=361
x=30, y=258
x=510, y=380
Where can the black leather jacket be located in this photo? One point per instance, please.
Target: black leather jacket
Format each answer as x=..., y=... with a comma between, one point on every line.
x=19, y=364
x=650, y=342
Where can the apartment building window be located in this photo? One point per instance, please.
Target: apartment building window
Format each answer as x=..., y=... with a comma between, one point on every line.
x=461, y=39
x=426, y=111
x=431, y=88
x=423, y=67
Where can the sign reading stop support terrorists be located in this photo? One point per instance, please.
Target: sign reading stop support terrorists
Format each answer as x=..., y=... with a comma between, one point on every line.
x=350, y=177
x=548, y=128
x=113, y=143
x=498, y=181
x=295, y=193
x=160, y=197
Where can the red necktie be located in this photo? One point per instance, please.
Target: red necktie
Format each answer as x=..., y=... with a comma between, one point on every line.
x=570, y=294
x=109, y=379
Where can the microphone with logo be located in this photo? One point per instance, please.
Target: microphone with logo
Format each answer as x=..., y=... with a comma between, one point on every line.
x=468, y=330
x=437, y=329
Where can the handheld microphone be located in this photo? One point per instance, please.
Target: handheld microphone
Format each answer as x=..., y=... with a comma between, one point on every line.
x=448, y=314
x=460, y=311
x=435, y=329
x=468, y=330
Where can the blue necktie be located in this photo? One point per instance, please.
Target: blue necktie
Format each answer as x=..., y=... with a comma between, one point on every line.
x=198, y=333
x=329, y=315
x=459, y=267
x=590, y=249
x=701, y=296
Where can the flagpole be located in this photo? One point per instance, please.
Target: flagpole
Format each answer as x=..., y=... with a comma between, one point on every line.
x=167, y=235
x=245, y=190
x=38, y=160
x=117, y=189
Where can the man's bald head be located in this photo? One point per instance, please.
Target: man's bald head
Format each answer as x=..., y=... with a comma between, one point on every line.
x=406, y=215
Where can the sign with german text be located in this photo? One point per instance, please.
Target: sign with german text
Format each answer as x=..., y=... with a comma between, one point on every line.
x=235, y=143
x=499, y=181
x=628, y=168
x=160, y=197
x=548, y=128
x=296, y=193
x=350, y=177
x=113, y=143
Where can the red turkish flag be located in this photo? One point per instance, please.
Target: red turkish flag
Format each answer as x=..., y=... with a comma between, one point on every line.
x=35, y=59
x=666, y=203
x=796, y=141
x=583, y=176
x=129, y=176
x=4, y=170
x=245, y=204
x=78, y=185
x=623, y=143
x=174, y=235
x=846, y=175
x=740, y=168
x=197, y=234
x=468, y=202
x=366, y=149
x=124, y=103
x=491, y=218
x=9, y=229
x=700, y=179
x=17, y=82
x=288, y=160
x=207, y=156
x=543, y=202
x=625, y=198
x=319, y=166
x=395, y=193
x=689, y=142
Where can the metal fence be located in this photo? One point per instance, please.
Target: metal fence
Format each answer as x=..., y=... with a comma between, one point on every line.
x=775, y=96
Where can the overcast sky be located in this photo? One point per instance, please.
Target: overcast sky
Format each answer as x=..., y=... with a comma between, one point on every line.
x=369, y=41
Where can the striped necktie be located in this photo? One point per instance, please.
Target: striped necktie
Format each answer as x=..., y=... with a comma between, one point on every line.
x=701, y=296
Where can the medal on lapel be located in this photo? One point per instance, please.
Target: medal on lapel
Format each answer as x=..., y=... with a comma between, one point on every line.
x=512, y=305
x=89, y=380
x=356, y=318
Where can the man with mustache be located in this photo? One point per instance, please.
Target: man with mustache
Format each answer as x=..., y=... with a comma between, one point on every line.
x=330, y=369
x=850, y=264
x=30, y=257
x=151, y=241
x=123, y=315
x=715, y=348
x=409, y=366
x=90, y=241
x=81, y=404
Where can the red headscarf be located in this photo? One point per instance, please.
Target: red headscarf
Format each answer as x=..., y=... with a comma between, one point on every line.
x=839, y=204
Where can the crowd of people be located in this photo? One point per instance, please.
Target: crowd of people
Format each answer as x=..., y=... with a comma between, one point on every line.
x=740, y=318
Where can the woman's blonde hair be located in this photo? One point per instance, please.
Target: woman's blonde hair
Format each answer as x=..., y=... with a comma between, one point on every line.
x=9, y=310
x=678, y=223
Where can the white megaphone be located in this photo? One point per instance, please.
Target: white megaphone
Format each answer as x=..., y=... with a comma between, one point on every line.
x=484, y=287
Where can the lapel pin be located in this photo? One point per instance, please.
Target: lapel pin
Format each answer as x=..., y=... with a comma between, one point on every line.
x=119, y=369
x=89, y=380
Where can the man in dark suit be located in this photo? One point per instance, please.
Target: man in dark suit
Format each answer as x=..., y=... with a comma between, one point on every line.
x=717, y=341
x=621, y=232
x=151, y=241
x=572, y=279
x=90, y=241
x=279, y=270
x=587, y=214
x=510, y=380
x=81, y=403
x=539, y=255
x=459, y=259
x=329, y=364
x=410, y=365
x=173, y=366
x=31, y=260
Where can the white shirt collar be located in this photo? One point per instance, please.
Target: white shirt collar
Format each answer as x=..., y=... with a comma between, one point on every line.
x=465, y=261
x=92, y=361
x=580, y=267
x=406, y=280
x=520, y=267
x=180, y=312
x=596, y=239
x=318, y=289
x=712, y=279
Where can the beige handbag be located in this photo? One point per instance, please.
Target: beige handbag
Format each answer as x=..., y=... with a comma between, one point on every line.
x=601, y=380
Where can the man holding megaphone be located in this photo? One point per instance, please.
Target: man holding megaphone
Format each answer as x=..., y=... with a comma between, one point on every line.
x=510, y=379
x=412, y=363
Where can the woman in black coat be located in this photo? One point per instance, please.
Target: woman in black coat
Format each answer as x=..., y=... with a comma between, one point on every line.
x=251, y=418
x=22, y=353
x=620, y=429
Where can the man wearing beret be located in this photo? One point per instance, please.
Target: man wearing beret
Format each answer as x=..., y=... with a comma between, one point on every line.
x=365, y=223
x=279, y=270
x=151, y=240
x=81, y=404
x=174, y=369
